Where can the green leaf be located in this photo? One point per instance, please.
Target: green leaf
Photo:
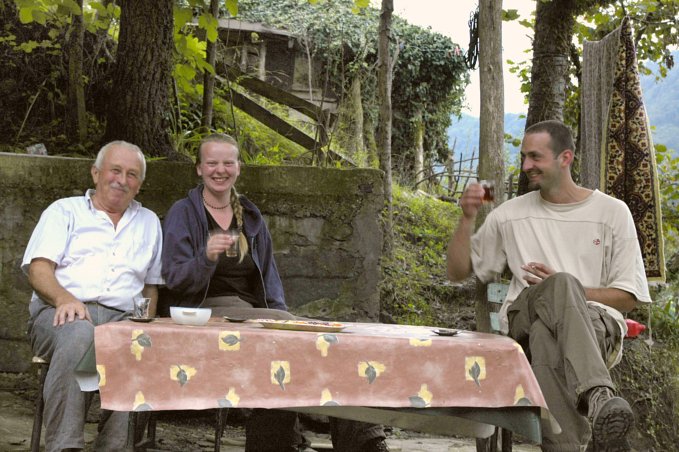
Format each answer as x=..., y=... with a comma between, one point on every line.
x=475, y=373
x=181, y=17
x=28, y=46
x=371, y=373
x=330, y=338
x=40, y=17
x=510, y=14
x=230, y=340
x=185, y=71
x=280, y=377
x=72, y=7
x=26, y=15
x=182, y=377
x=232, y=7
x=223, y=403
x=523, y=401
x=144, y=340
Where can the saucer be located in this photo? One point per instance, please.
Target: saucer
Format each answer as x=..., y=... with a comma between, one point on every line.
x=141, y=319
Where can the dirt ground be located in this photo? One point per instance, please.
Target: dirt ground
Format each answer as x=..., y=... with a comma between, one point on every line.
x=192, y=431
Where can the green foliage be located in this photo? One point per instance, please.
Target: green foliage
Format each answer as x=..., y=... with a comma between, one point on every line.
x=429, y=80
x=646, y=377
x=668, y=171
x=232, y=7
x=654, y=24
x=422, y=228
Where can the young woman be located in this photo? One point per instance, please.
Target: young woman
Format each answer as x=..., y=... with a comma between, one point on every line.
x=198, y=272
x=196, y=267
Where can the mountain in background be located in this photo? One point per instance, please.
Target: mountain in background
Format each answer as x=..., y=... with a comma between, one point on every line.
x=661, y=99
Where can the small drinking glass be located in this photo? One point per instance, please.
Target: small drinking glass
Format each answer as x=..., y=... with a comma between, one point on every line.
x=141, y=308
x=232, y=251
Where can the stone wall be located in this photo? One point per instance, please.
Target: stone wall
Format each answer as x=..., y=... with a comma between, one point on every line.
x=324, y=222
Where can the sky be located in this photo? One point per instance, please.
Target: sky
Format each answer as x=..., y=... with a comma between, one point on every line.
x=451, y=18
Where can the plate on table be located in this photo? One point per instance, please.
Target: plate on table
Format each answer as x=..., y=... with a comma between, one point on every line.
x=302, y=325
x=446, y=332
x=234, y=319
x=141, y=319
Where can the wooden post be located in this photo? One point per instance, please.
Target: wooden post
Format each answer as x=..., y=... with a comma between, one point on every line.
x=491, y=135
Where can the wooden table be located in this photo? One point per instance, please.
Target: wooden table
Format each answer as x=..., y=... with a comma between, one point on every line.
x=405, y=376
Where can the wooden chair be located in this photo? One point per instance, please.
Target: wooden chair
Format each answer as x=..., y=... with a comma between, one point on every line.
x=43, y=366
x=496, y=293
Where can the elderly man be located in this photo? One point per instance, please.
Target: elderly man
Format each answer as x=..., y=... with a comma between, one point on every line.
x=576, y=267
x=87, y=259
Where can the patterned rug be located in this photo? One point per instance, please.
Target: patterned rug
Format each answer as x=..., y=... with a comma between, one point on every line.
x=614, y=120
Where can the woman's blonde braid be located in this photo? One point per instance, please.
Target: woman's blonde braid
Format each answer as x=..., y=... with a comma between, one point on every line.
x=238, y=213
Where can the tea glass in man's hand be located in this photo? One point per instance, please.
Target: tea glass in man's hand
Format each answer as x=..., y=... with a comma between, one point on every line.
x=232, y=251
x=488, y=190
x=141, y=308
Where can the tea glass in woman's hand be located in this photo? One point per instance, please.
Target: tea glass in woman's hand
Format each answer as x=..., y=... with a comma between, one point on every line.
x=232, y=251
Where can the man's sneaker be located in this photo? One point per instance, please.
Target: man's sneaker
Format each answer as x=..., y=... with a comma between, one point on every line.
x=611, y=418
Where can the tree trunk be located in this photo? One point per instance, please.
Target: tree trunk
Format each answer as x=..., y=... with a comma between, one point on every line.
x=384, y=79
x=209, y=78
x=419, y=149
x=554, y=22
x=142, y=77
x=76, y=113
x=491, y=134
x=356, y=146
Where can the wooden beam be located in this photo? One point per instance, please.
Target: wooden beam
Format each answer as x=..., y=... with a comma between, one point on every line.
x=280, y=126
x=272, y=121
x=278, y=95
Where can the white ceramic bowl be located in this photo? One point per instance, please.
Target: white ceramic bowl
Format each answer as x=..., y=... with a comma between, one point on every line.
x=190, y=316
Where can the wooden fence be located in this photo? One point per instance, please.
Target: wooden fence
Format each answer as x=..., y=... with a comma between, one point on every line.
x=453, y=177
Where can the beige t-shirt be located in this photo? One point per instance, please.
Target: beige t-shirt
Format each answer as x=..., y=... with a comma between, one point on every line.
x=594, y=240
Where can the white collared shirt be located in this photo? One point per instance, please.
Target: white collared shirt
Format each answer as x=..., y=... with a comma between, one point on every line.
x=96, y=261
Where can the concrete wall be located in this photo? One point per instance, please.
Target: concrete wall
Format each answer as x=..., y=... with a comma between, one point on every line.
x=324, y=223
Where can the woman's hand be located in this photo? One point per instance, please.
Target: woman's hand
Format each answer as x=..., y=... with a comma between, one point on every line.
x=218, y=243
x=537, y=272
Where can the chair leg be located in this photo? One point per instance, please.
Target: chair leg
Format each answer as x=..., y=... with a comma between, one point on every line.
x=506, y=440
x=131, y=430
x=39, y=408
x=151, y=431
x=222, y=414
x=487, y=444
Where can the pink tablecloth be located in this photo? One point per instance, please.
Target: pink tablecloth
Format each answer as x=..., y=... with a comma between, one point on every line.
x=164, y=366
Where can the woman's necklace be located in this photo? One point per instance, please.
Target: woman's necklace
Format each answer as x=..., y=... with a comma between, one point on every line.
x=215, y=207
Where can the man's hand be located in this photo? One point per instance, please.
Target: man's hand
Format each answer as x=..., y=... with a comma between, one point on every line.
x=459, y=262
x=537, y=272
x=42, y=279
x=69, y=311
x=471, y=200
